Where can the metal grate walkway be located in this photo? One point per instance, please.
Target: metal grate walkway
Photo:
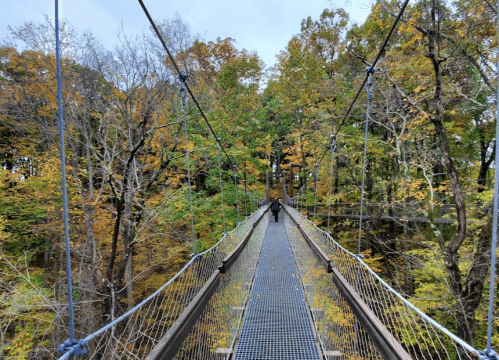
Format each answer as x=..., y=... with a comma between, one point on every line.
x=277, y=324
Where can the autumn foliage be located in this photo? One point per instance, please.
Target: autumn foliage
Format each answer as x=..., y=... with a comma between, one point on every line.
x=431, y=148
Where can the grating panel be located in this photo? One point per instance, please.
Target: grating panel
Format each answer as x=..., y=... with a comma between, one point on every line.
x=277, y=323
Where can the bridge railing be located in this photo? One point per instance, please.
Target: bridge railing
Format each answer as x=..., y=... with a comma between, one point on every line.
x=171, y=313
x=356, y=313
x=214, y=333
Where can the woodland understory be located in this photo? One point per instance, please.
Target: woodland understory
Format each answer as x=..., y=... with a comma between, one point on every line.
x=430, y=156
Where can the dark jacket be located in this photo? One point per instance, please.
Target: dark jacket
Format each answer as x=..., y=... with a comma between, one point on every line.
x=275, y=205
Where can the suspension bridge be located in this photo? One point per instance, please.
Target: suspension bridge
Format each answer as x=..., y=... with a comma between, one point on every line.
x=272, y=290
x=275, y=290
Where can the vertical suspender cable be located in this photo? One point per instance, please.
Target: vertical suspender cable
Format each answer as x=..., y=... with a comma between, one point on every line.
x=493, y=250
x=315, y=189
x=244, y=193
x=302, y=189
x=369, y=88
x=250, y=195
x=235, y=186
x=221, y=186
x=183, y=94
x=284, y=191
x=63, y=173
x=333, y=146
x=306, y=199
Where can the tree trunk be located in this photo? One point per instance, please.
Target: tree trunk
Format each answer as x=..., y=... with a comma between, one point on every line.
x=465, y=319
x=484, y=163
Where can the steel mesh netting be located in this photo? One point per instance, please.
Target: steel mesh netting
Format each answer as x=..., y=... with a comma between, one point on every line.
x=335, y=323
x=135, y=335
x=421, y=337
x=214, y=333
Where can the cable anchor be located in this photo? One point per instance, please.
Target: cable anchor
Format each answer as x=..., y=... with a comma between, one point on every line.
x=79, y=347
x=488, y=354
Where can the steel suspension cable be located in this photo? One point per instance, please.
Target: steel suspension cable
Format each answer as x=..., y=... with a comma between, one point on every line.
x=235, y=186
x=315, y=190
x=306, y=198
x=244, y=194
x=183, y=94
x=333, y=148
x=172, y=59
x=373, y=66
x=221, y=186
x=65, y=211
x=230, y=159
x=369, y=88
x=251, y=199
x=378, y=56
x=493, y=250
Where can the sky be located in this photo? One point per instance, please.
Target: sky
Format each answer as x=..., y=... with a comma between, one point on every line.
x=262, y=25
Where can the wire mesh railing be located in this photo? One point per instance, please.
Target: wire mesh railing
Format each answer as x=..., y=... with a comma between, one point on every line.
x=420, y=336
x=335, y=323
x=136, y=333
x=266, y=198
x=214, y=334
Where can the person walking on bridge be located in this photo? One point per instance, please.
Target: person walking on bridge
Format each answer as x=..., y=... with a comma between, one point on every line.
x=276, y=206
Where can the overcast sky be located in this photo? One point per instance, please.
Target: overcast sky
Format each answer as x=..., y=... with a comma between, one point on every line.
x=262, y=25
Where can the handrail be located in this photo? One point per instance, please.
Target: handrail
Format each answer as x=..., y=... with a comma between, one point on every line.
x=79, y=347
x=444, y=330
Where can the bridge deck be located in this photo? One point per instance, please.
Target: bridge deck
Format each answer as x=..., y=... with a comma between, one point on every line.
x=277, y=324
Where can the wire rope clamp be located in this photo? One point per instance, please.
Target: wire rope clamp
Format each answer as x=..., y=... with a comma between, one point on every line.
x=488, y=354
x=332, y=143
x=359, y=257
x=183, y=92
x=79, y=347
x=370, y=70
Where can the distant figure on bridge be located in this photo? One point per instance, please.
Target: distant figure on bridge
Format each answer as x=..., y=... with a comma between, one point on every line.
x=276, y=206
